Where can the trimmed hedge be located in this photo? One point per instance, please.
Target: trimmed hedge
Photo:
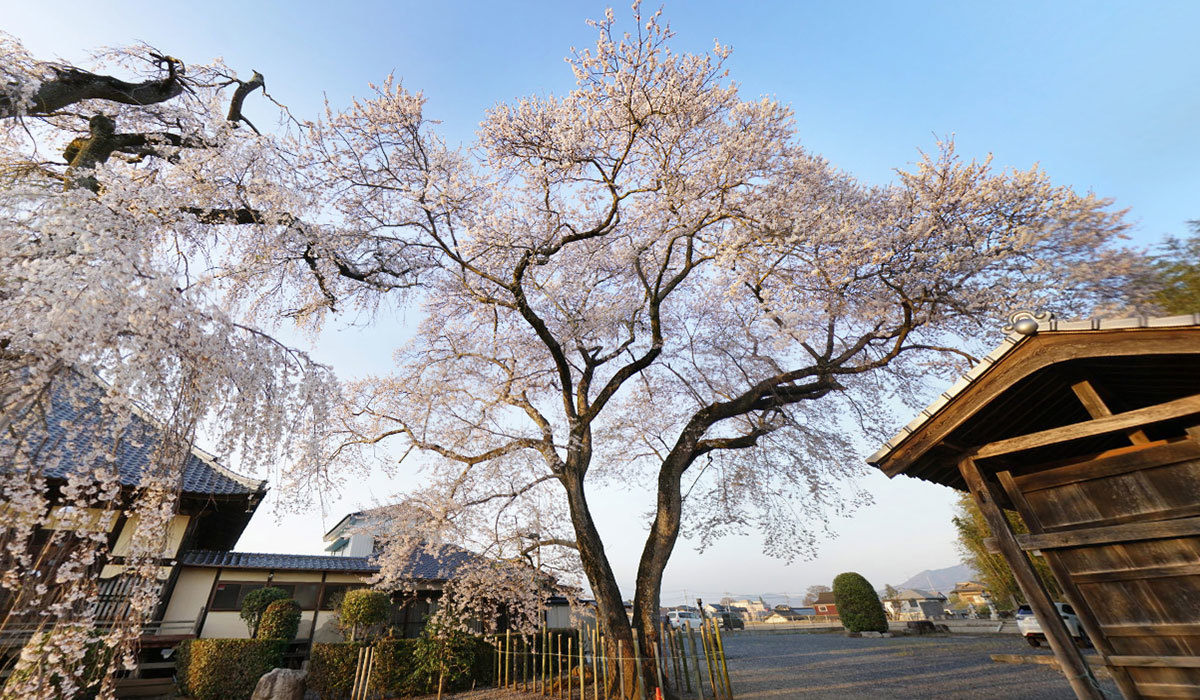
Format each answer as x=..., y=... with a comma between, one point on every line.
x=281, y=620
x=225, y=669
x=858, y=605
x=331, y=668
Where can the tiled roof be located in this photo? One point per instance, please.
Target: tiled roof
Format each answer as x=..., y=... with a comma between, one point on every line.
x=1012, y=340
x=422, y=567
x=202, y=474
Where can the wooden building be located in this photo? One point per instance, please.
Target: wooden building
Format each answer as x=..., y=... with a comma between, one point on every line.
x=1091, y=431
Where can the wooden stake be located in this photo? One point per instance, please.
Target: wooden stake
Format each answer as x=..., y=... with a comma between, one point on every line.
x=1070, y=660
x=507, y=644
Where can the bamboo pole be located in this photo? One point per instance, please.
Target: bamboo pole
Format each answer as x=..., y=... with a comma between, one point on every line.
x=582, y=675
x=721, y=658
x=681, y=647
x=696, y=662
x=604, y=660
x=596, y=663
x=496, y=657
x=570, y=675
x=706, y=640
x=507, y=643
x=637, y=664
x=658, y=664
x=621, y=668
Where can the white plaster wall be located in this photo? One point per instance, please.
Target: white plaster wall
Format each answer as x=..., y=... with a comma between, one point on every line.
x=225, y=625
x=190, y=594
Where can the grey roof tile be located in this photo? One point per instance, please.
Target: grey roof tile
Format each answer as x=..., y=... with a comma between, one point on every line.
x=66, y=432
x=423, y=566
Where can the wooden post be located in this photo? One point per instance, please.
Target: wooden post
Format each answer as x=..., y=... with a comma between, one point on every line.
x=1074, y=597
x=1070, y=660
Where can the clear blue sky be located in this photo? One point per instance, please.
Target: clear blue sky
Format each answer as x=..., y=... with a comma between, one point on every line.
x=1105, y=95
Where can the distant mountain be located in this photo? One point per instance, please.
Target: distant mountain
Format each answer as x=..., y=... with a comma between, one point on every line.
x=941, y=580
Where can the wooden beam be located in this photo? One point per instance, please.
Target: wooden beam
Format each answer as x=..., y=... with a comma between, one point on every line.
x=1166, y=629
x=1072, y=593
x=1097, y=408
x=1155, y=661
x=1069, y=657
x=1125, y=532
x=1187, y=406
x=1165, y=571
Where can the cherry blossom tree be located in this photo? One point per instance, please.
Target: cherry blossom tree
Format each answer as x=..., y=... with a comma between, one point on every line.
x=650, y=283
x=110, y=192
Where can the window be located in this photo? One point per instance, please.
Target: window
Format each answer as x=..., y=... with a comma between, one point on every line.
x=334, y=593
x=231, y=595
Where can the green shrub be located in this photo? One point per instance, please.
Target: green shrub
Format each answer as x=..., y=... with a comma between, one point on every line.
x=394, y=671
x=858, y=605
x=444, y=656
x=281, y=620
x=255, y=604
x=362, y=610
x=225, y=669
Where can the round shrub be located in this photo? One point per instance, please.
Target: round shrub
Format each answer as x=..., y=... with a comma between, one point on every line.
x=281, y=620
x=858, y=605
x=363, y=609
x=255, y=604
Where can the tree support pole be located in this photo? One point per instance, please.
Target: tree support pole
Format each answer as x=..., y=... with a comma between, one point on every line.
x=1069, y=657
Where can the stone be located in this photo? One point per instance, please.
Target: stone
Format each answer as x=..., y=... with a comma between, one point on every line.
x=872, y=634
x=280, y=684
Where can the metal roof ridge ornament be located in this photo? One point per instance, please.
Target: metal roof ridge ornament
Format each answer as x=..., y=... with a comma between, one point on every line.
x=1027, y=322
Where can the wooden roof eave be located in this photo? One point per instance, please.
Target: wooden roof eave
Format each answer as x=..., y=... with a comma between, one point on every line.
x=1027, y=356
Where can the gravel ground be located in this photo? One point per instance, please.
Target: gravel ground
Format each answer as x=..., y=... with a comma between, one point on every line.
x=817, y=666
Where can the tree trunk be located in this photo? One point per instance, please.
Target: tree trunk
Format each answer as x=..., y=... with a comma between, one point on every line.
x=610, y=612
x=657, y=552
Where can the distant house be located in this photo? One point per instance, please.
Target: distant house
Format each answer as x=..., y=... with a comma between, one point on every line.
x=784, y=613
x=755, y=610
x=826, y=605
x=971, y=593
x=916, y=604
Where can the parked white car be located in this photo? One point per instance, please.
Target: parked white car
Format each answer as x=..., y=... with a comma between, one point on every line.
x=684, y=619
x=1031, y=629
